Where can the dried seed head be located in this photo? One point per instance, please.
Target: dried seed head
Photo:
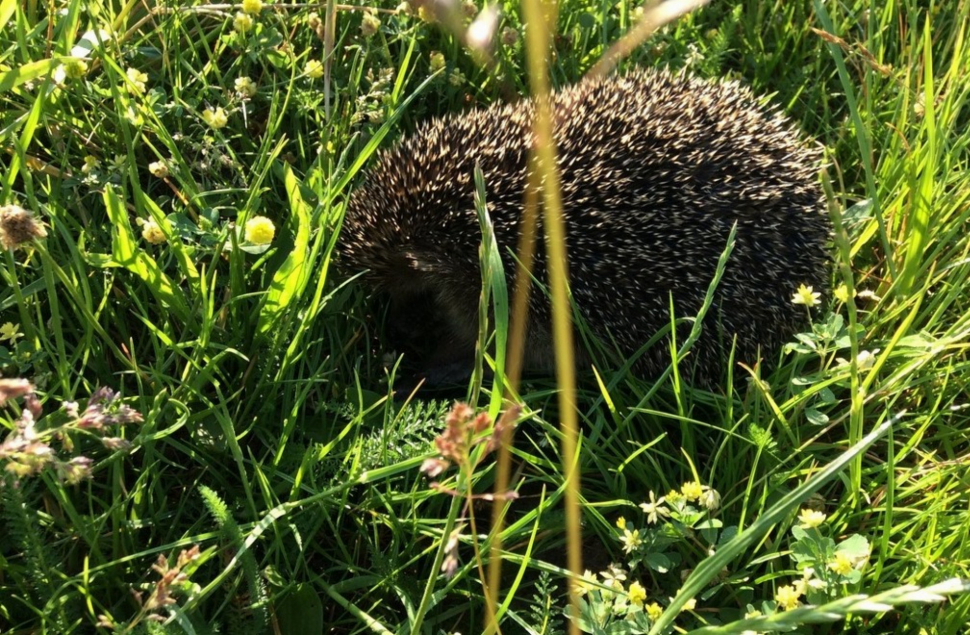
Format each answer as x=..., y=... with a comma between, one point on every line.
x=18, y=227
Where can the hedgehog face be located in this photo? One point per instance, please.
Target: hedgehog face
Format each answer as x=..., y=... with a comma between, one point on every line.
x=436, y=333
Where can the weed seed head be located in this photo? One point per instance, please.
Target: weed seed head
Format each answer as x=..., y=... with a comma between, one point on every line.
x=18, y=227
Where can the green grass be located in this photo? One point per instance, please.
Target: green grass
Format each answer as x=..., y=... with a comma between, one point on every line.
x=269, y=439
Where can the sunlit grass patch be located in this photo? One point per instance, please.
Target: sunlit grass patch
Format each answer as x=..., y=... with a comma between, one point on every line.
x=173, y=180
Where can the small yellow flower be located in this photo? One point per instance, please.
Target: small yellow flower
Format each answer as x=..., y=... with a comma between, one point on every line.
x=259, y=230
x=456, y=78
x=654, y=611
x=11, y=332
x=584, y=584
x=426, y=14
x=90, y=164
x=631, y=540
x=437, y=61
x=314, y=69
x=621, y=522
x=215, y=118
x=152, y=233
x=242, y=23
x=613, y=577
x=369, y=24
x=404, y=8
x=252, y=6
x=75, y=68
x=842, y=564
x=750, y=615
x=654, y=509
x=807, y=296
x=809, y=518
x=787, y=597
x=692, y=491
x=637, y=593
x=690, y=605
x=673, y=497
x=134, y=117
x=137, y=79
x=841, y=293
x=158, y=168
x=245, y=86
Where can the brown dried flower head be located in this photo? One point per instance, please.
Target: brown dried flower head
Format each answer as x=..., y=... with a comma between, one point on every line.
x=18, y=227
x=13, y=388
x=161, y=596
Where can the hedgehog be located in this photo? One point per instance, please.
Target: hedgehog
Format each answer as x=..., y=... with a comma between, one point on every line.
x=656, y=168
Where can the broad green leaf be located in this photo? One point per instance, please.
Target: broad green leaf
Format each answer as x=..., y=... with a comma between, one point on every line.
x=301, y=612
x=658, y=562
x=291, y=278
x=7, y=7
x=855, y=546
x=128, y=255
x=28, y=72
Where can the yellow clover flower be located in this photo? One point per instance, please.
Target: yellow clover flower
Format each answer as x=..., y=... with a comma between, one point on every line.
x=842, y=564
x=158, y=169
x=692, y=490
x=252, y=7
x=809, y=518
x=75, y=68
x=673, y=497
x=426, y=15
x=637, y=593
x=242, y=23
x=137, y=79
x=654, y=611
x=215, y=118
x=152, y=233
x=787, y=597
x=314, y=69
x=259, y=230
x=710, y=499
x=369, y=24
x=245, y=86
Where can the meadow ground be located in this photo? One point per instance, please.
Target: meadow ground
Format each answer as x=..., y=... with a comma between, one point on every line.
x=207, y=443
